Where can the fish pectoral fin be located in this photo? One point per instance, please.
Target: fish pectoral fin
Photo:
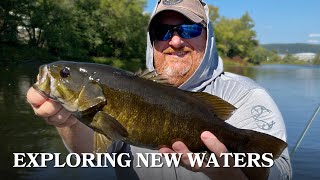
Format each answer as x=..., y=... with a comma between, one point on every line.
x=90, y=95
x=100, y=143
x=153, y=76
x=220, y=107
x=109, y=126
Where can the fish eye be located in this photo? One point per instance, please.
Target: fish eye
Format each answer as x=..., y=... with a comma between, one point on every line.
x=64, y=73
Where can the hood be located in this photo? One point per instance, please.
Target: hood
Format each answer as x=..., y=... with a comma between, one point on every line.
x=210, y=67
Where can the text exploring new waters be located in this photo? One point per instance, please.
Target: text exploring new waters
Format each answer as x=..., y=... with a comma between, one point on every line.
x=149, y=160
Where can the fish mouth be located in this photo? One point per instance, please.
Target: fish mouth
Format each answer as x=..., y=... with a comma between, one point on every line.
x=44, y=82
x=46, y=94
x=36, y=87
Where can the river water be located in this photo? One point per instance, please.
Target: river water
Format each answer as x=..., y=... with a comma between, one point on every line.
x=296, y=90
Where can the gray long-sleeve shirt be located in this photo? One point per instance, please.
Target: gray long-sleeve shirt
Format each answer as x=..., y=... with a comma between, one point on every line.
x=256, y=111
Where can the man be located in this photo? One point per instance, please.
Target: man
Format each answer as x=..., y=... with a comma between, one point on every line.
x=181, y=47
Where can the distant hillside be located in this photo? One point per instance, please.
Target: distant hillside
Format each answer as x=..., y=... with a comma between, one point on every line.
x=293, y=48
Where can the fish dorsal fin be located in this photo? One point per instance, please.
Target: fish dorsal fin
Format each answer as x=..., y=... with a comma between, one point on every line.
x=153, y=76
x=90, y=95
x=109, y=126
x=220, y=107
x=100, y=143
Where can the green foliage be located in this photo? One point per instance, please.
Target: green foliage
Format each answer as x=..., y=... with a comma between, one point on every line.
x=10, y=19
x=234, y=37
x=293, y=48
x=262, y=55
x=289, y=59
x=76, y=29
x=111, y=32
x=123, y=29
x=236, y=41
x=259, y=55
x=316, y=60
x=213, y=13
x=64, y=35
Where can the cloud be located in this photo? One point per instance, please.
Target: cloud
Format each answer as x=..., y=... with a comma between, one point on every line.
x=314, y=35
x=313, y=41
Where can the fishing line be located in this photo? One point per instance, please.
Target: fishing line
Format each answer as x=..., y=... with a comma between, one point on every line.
x=304, y=132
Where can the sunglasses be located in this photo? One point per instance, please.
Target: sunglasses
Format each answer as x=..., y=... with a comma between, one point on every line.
x=164, y=32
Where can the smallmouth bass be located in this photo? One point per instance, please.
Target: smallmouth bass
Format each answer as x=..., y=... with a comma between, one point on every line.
x=141, y=110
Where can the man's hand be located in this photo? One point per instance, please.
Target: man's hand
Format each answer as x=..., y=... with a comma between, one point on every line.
x=52, y=112
x=216, y=147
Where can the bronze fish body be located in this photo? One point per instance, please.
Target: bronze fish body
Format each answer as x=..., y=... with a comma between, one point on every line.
x=122, y=106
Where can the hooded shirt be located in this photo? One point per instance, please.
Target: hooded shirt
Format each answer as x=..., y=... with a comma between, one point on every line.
x=256, y=110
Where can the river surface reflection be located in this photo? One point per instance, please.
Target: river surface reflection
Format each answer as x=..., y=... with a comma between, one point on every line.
x=296, y=90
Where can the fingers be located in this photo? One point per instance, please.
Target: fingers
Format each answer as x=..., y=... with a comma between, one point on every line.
x=58, y=118
x=62, y=118
x=180, y=147
x=41, y=105
x=48, y=108
x=51, y=111
x=35, y=98
x=166, y=150
x=212, y=143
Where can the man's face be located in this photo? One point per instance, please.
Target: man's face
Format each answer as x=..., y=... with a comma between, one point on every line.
x=178, y=58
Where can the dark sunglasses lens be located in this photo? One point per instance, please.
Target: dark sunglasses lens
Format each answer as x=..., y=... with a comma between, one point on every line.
x=188, y=31
x=162, y=33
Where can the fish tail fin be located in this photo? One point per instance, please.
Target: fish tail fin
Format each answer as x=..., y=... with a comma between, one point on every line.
x=259, y=143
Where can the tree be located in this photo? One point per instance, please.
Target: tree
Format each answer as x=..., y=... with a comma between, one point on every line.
x=236, y=37
x=123, y=28
x=289, y=58
x=10, y=19
x=213, y=13
x=316, y=60
x=260, y=54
